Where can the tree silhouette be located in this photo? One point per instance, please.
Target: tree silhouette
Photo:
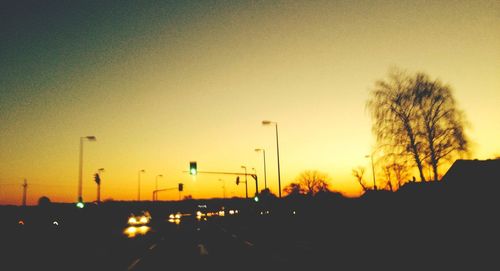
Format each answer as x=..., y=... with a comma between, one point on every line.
x=441, y=123
x=266, y=193
x=312, y=182
x=396, y=170
x=293, y=189
x=416, y=116
x=358, y=173
x=44, y=201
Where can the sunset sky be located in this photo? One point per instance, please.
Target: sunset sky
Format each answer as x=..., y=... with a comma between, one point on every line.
x=162, y=83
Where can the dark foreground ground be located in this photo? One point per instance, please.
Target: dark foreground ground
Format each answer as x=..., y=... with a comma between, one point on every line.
x=380, y=231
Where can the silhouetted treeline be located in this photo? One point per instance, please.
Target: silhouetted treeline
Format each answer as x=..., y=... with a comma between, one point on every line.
x=424, y=225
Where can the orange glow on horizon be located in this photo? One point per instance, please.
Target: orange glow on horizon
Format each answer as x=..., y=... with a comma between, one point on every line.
x=159, y=93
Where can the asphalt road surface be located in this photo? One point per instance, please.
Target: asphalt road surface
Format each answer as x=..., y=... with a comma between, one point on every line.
x=339, y=239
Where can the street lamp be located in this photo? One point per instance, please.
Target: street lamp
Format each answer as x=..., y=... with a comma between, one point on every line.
x=139, y=184
x=246, y=183
x=373, y=170
x=89, y=138
x=156, y=183
x=265, y=175
x=267, y=122
x=223, y=188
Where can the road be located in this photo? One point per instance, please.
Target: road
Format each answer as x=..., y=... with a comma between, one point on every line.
x=342, y=238
x=217, y=244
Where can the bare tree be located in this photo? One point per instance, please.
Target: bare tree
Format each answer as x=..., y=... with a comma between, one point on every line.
x=396, y=170
x=442, y=124
x=358, y=173
x=312, y=182
x=386, y=169
x=414, y=115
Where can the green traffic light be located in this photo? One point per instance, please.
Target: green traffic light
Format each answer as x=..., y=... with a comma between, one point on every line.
x=193, y=168
x=80, y=205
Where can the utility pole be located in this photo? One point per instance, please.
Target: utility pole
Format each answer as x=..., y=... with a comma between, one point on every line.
x=25, y=190
x=223, y=188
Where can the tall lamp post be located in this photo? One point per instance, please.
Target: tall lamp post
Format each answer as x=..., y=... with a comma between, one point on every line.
x=267, y=122
x=139, y=184
x=156, y=184
x=373, y=170
x=89, y=138
x=265, y=174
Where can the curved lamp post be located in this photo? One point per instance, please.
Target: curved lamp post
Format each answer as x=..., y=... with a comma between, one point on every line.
x=80, y=173
x=265, y=174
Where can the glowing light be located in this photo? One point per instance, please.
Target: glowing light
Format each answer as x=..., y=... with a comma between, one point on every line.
x=171, y=216
x=177, y=221
x=199, y=215
x=133, y=231
x=132, y=220
x=143, y=229
x=55, y=223
x=20, y=222
x=80, y=205
x=143, y=220
x=231, y=212
x=294, y=212
x=256, y=199
x=222, y=213
x=178, y=216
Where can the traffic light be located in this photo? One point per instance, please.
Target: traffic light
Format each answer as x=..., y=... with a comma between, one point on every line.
x=238, y=180
x=97, y=178
x=181, y=187
x=193, y=168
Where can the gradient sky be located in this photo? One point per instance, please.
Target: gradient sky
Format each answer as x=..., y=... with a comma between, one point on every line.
x=162, y=83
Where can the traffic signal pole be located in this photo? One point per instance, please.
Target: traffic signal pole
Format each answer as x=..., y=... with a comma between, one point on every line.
x=25, y=191
x=155, y=192
x=254, y=176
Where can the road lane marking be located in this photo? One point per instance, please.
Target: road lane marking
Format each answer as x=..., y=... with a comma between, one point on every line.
x=134, y=264
x=203, y=250
x=248, y=244
x=152, y=246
